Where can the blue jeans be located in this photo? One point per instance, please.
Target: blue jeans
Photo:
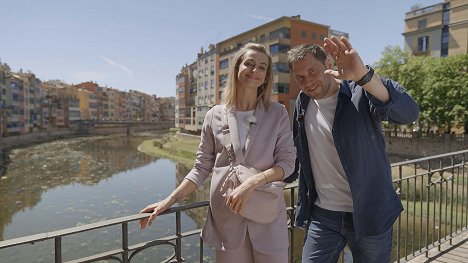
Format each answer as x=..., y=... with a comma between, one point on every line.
x=328, y=233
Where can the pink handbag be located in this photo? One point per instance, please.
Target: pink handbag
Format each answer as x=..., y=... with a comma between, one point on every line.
x=264, y=203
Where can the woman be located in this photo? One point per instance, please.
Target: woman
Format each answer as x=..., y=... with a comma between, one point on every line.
x=261, y=137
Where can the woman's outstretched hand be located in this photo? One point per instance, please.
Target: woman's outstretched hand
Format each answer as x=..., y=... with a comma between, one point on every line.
x=156, y=209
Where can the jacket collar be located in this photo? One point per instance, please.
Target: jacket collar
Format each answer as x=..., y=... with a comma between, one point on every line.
x=234, y=131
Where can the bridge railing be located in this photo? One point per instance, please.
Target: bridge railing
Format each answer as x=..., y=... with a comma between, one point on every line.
x=433, y=191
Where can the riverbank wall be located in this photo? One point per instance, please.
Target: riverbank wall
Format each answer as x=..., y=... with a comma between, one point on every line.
x=417, y=145
x=64, y=133
x=406, y=145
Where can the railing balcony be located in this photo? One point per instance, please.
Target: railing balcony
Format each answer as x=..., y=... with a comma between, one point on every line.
x=433, y=191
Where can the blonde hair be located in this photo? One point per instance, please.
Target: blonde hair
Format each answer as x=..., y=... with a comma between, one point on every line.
x=263, y=92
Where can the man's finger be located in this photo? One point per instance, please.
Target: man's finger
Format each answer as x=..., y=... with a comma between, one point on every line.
x=346, y=43
x=329, y=46
x=334, y=73
x=340, y=46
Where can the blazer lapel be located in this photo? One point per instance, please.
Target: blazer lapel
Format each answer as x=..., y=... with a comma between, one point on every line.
x=259, y=113
x=235, y=136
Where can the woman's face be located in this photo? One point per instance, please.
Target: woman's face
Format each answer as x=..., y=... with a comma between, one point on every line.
x=252, y=69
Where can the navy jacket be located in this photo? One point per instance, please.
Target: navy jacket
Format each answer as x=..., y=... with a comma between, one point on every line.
x=360, y=144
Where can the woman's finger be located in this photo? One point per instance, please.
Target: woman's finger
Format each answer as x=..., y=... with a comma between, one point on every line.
x=235, y=206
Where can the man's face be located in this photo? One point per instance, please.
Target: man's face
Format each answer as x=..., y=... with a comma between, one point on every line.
x=309, y=75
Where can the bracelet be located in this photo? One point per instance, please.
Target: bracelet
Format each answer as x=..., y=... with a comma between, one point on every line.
x=366, y=78
x=264, y=175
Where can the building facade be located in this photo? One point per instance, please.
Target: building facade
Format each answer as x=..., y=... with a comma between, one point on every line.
x=212, y=66
x=438, y=30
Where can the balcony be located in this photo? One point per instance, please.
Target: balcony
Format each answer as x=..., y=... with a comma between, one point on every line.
x=433, y=191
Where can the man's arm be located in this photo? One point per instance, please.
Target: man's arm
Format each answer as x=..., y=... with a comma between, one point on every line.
x=351, y=67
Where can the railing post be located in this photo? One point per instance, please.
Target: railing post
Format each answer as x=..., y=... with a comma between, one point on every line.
x=58, y=249
x=178, y=240
x=399, y=218
x=201, y=250
x=291, y=203
x=125, y=242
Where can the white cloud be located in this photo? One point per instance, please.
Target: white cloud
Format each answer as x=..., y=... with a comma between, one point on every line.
x=117, y=65
x=263, y=18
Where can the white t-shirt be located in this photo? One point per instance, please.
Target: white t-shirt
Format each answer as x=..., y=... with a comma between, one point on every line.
x=244, y=125
x=330, y=180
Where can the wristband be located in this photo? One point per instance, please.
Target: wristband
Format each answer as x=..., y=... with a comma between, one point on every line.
x=364, y=80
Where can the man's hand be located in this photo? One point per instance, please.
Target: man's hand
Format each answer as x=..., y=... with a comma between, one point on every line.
x=348, y=61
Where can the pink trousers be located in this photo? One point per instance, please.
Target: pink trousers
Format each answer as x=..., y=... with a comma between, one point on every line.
x=247, y=254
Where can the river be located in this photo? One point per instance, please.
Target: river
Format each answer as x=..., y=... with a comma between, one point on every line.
x=78, y=181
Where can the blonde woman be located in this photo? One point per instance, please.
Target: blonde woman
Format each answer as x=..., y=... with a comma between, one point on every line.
x=260, y=135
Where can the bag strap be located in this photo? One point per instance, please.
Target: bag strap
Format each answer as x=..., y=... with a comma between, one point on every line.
x=227, y=138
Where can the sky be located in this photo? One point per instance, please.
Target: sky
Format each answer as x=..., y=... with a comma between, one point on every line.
x=143, y=44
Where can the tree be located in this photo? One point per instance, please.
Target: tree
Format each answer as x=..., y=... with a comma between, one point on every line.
x=392, y=58
x=450, y=81
x=439, y=85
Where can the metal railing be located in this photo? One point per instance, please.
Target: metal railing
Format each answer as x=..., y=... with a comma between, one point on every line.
x=433, y=191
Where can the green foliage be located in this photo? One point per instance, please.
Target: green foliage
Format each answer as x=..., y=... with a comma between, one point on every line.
x=439, y=85
x=392, y=58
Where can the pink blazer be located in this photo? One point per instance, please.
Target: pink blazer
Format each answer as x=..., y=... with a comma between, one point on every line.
x=268, y=143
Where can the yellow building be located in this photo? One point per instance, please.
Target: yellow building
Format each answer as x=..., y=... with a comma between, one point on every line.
x=438, y=30
x=88, y=104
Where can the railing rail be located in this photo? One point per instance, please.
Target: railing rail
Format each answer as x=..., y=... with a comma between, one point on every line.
x=433, y=191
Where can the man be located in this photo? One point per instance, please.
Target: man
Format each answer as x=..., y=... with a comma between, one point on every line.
x=345, y=186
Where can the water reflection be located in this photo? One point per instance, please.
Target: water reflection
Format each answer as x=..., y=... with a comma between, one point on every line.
x=201, y=194
x=35, y=170
x=78, y=181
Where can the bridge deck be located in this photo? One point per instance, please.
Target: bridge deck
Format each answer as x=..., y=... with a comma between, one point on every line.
x=456, y=253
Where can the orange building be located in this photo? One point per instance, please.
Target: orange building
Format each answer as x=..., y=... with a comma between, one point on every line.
x=278, y=36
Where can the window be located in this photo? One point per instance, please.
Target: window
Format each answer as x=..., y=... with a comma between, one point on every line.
x=278, y=48
x=322, y=37
x=262, y=38
x=280, y=67
x=313, y=35
x=303, y=34
x=223, y=63
x=423, y=44
x=446, y=14
x=422, y=24
x=280, y=33
x=280, y=88
x=223, y=80
x=445, y=42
